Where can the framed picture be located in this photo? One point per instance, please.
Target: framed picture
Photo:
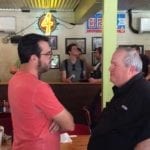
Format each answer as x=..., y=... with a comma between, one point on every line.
x=55, y=63
x=96, y=42
x=53, y=42
x=140, y=46
x=94, y=60
x=81, y=43
x=147, y=52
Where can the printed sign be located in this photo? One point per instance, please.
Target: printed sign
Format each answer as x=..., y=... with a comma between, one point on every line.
x=121, y=22
x=94, y=24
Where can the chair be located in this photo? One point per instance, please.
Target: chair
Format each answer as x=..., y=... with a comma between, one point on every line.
x=80, y=129
x=93, y=111
x=87, y=116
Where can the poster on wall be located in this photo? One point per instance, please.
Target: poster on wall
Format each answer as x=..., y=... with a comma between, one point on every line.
x=121, y=20
x=53, y=42
x=94, y=24
x=80, y=42
x=55, y=63
x=96, y=42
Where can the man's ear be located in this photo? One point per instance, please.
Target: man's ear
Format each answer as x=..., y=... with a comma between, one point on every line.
x=33, y=58
x=132, y=69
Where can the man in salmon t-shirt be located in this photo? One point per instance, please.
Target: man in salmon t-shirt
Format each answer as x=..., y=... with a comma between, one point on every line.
x=37, y=115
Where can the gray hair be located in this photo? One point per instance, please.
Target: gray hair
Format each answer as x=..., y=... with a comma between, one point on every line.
x=132, y=58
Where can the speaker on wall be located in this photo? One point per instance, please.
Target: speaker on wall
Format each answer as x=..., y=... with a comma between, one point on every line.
x=15, y=39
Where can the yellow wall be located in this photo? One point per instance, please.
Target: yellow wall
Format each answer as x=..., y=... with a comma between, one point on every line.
x=109, y=44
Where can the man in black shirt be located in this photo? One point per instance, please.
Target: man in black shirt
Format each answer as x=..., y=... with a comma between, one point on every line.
x=125, y=121
x=96, y=73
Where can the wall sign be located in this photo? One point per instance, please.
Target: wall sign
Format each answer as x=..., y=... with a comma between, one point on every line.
x=121, y=21
x=47, y=23
x=94, y=24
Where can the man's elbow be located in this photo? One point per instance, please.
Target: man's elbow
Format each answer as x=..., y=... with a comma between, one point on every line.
x=69, y=126
x=65, y=121
x=72, y=127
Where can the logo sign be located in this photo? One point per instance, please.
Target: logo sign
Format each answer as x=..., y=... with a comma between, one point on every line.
x=121, y=21
x=94, y=24
x=47, y=23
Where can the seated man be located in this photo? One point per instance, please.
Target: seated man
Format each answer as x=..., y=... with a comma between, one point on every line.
x=73, y=68
x=96, y=73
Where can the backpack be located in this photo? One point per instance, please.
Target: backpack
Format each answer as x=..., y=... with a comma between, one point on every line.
x=82, y=68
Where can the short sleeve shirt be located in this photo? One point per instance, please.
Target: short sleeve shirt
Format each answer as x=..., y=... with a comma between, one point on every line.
x=33, y=105
x=76, y=69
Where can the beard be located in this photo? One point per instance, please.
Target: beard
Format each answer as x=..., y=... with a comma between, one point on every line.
x=42, y=67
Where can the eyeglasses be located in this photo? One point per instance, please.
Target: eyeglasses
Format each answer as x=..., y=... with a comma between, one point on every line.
x=47, y=54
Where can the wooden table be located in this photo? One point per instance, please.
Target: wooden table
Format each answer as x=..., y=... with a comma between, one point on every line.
x=78, y=143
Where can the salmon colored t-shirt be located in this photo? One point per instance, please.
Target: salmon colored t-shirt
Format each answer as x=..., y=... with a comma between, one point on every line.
x=33, y=105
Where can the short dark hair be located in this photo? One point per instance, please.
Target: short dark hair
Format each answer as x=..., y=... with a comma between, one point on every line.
x=28, y=45
x=99, y=49
x=69, y=47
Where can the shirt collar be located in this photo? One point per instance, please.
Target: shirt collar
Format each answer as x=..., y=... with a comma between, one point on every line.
x=126, y=86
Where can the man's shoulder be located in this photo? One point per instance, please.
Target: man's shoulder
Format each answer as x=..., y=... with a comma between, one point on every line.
x=144, y=57
x=143, y=87
x=42, y=85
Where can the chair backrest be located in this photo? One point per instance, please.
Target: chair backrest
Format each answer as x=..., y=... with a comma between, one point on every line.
x=87, y=116
x=80, y=129
x=94, y=111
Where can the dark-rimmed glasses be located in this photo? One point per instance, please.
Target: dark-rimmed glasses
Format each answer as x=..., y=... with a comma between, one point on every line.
x=47, y=54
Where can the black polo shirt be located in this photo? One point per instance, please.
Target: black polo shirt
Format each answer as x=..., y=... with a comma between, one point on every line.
x=126, y=119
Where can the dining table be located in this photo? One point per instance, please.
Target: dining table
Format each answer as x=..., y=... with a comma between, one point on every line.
x=79, y=142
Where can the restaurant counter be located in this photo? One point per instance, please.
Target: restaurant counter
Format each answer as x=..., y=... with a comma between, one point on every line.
x=73, y=96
